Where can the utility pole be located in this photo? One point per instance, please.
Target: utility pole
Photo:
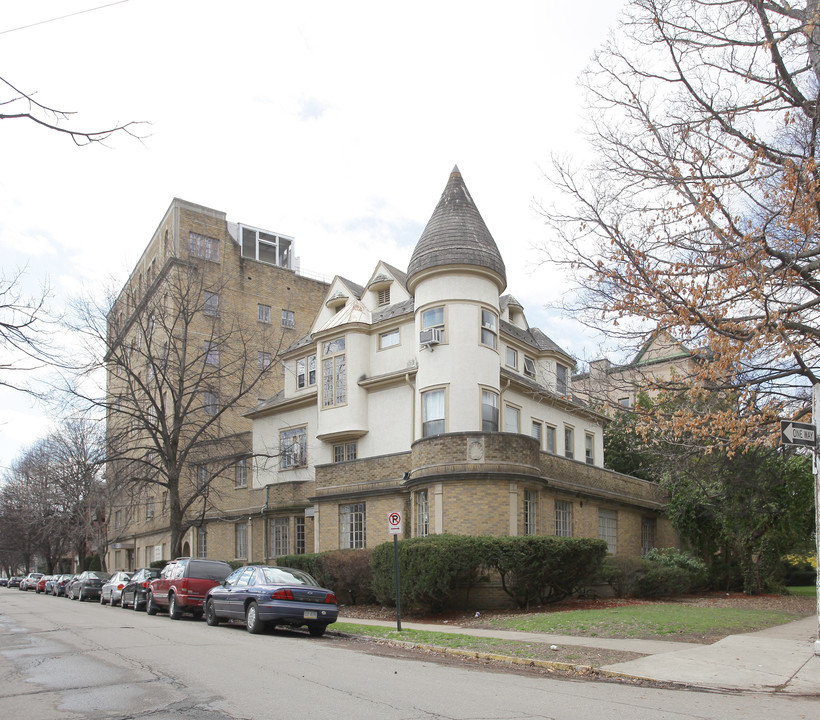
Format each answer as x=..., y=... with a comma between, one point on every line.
x=815, y=417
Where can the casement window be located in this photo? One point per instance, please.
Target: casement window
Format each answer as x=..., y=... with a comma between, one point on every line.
x=263, y=313
x=561, y=379
x=210, y=402
x=389, y=339
x=589, y=448
x=202, y=542
x=489, y=411
x=434, y=319
x=530, y=512
x=422, y=514
x=211, y=304
x=537, y=431
x=263, y=360
x=512, y=419
x=608, y=529
x=344, y=452
x=352, y=519
x=563, y=518
x=529, y=367
x=306, y=372
x=334, y=373
x=300, y=536
x=202, y=477
x=149, y=508
x=280, y=537
x=165, y=502
x=384, y=296
x=433, y=409
x=266, y=247
x=211, y=353
x=624, y=402
x=293, y=448
x=489, y=331
x=288, y=319
x=512, y=358
x=241, y=536
x=118, y=519
x=550, y=439
x=569, y=442
x=241, y=473
x=203, y=246
x=649, y=532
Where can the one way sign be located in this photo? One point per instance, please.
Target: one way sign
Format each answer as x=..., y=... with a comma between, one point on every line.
x=795, y=433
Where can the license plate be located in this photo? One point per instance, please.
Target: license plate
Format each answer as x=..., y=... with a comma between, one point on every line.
x=310, y=615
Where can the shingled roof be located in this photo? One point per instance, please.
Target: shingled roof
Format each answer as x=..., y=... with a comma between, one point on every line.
x=456, y=235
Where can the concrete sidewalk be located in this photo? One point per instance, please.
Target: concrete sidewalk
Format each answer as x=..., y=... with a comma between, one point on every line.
x=780, y=659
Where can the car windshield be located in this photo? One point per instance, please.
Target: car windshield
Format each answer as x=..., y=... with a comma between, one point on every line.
x=287, y=576
x=99, y=575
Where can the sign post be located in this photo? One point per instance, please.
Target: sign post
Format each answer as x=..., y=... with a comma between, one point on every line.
x=394, y=527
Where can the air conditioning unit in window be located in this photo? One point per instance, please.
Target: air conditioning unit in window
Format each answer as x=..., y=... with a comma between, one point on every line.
x=430, y=337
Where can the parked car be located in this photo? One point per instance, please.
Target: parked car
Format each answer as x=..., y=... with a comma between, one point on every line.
x=111, y=592
x=59, y=587
x=134, y=593
x=15, y=580
x=48, y=586
x=41, y=584
x=264, y=596
x=4, y=582
x=182, y=585
x=29, y=582
x=87, y=585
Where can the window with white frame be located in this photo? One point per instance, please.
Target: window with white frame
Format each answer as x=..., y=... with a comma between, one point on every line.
x=529, y=367
x=433, y=412
x=301, y=547
x=202, y=477
x=512, y=419
x=288, y=319
x=241, y=535
x=649, y=532
x=306, y=371
x=210, y=402
x=352, y=526
x=530, y=512
x=345, y=451
x=202, y=541
x=561, y=379
x=149, y=508
x=211, y=353
x=512, y=357
x=489, y=411
x=263, y=313
x=279, y=536
x=389, y=339
x=608, y=529
x=433, y=318
x=293, y=448
x=118, y=519
x=422, y=514
x=563, y=518
x=263, y=360
x=334, y=373
x=203, y=246
x=550, y=435
x=489, y=328
x=267, y=247
x=589, y=448
x=569, y=442
x=241, y=473
x=211, y=304
x=536, y=432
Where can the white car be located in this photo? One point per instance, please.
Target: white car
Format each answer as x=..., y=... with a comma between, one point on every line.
x=112, y=588
x=29, y=582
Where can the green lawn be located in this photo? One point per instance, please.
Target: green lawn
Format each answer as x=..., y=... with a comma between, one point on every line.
x=803, y=591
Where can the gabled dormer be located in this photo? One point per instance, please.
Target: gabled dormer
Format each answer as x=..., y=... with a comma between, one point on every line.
x=341, y=293
x=386, y=287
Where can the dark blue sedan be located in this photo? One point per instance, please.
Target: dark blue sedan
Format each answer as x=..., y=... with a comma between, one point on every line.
x=264, y=596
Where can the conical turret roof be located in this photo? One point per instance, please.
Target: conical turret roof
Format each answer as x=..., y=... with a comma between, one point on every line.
x=456, y=235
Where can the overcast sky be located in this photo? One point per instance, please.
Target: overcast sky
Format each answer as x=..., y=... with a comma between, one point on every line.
x=335, y=123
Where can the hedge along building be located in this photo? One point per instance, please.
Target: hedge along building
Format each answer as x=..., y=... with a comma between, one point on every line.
x=427, y=392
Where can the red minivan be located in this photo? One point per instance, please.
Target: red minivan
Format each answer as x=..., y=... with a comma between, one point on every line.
x=182, y=585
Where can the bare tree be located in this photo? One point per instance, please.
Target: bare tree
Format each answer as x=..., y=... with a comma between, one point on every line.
x=15, y=104
x=700, y=212
x=181, y=369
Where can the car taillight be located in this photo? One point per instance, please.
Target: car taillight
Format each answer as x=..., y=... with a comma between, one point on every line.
x=145, y=583
x=120, y=586
x=331, y=598
x=283, y=594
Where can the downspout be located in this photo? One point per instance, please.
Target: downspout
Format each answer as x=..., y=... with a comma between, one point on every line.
x=264, y=522
x=412, y=407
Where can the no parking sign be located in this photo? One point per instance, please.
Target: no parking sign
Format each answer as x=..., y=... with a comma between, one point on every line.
x=394, y=523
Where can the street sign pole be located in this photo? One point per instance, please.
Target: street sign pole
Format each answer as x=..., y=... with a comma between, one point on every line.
x=394, y=527
x=815, y=416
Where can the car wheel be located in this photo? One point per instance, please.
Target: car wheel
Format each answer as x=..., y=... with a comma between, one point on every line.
x=102, y=599
x=174, y=611
x=252, y=621
x=150, y=608
x=80, y=595
x=210, y=614
x=317, y=630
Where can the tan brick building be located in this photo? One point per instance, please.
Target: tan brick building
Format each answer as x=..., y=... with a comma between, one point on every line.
x=194, y=338
x=427, y=392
